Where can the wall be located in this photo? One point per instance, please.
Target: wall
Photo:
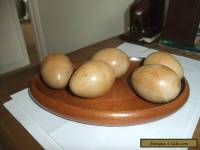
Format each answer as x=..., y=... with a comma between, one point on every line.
x=71, y=24
x=13, y=53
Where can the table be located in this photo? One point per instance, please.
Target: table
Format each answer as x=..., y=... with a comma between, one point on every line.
x=13, y=135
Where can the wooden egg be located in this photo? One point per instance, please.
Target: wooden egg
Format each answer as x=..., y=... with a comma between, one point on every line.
x=156, y=83
x=92, y=79
x=166, y=59
x=56, y=70
x=116, y=58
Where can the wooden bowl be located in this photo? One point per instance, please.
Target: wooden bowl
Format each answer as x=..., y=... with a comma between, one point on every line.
x=120, y=106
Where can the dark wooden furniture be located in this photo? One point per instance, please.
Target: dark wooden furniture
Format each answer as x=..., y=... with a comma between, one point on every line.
x=182, y=21
x=146, y=19
x=13, y=135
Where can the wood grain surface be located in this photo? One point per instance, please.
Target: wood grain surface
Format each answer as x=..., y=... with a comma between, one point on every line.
x=120, y=106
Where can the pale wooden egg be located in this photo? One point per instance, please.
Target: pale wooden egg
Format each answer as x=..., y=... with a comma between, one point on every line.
x=116, y=58
x=92, y=79
x=56, y=70
x=156, y=83
x=166, y=59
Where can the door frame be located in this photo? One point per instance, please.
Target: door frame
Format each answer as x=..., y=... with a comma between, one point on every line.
x=24, y=59
x=37, y=27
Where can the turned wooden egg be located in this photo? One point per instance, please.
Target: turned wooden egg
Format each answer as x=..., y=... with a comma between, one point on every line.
x=56, y=70
x=166, y=59
x=116, y=58
x=156, y=83
x=92, y=79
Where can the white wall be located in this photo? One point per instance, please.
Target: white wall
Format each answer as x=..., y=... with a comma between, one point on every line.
x=71, y=24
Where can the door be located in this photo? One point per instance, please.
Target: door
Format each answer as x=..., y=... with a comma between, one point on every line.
x=13, y=53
